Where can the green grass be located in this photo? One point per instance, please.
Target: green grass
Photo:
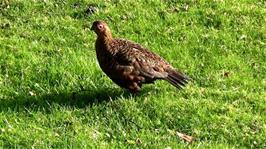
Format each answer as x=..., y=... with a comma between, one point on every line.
x=53, y=93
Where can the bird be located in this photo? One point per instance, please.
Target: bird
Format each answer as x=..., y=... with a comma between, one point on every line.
x=130, y=65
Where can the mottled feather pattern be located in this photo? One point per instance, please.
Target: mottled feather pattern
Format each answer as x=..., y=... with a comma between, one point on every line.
x=130, y=65
x=128, y=51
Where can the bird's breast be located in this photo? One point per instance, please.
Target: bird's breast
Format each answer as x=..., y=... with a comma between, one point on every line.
x=105, y=60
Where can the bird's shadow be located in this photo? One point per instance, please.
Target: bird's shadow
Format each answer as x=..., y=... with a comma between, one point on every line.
x=78, y=99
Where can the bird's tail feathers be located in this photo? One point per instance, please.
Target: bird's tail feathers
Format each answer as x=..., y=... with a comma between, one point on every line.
x=177, y=79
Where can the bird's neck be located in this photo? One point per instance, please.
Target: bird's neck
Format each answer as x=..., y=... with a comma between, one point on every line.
x=105, y=38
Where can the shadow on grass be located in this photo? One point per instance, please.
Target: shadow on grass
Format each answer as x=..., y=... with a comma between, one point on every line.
x=79, y=99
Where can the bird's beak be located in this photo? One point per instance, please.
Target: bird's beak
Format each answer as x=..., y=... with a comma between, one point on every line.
x=92, y=28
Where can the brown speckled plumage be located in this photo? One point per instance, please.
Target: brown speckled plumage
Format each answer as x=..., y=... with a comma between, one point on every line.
x=130, y=65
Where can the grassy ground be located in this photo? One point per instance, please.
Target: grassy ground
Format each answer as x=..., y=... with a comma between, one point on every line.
x=53, y=93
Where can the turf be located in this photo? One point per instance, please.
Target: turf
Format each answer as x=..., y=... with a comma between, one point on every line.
x=54, y=95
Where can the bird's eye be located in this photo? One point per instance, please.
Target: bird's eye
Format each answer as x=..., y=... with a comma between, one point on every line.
x=100, y=26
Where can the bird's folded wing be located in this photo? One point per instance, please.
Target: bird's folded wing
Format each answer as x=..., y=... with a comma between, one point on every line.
x=145, y=62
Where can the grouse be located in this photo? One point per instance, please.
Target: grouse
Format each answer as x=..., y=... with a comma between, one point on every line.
x=130, y=65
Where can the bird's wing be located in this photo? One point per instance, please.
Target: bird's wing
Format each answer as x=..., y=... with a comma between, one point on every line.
x=142, y=60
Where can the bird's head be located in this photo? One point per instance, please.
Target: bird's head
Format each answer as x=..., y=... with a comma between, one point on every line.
x=100, y=28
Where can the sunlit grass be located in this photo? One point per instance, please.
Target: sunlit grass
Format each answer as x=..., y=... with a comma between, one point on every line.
x=53, y=93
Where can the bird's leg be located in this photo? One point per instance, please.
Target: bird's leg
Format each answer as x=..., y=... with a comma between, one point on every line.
x=134, y=88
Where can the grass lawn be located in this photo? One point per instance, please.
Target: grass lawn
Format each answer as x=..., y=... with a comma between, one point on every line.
x=54, y=95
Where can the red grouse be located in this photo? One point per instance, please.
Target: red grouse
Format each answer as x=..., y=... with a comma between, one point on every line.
x=129, y=64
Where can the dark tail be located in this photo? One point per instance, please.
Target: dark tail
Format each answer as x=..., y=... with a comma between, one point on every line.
x=177, y=79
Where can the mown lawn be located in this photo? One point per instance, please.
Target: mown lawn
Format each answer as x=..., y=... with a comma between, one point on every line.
x=53, y=93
